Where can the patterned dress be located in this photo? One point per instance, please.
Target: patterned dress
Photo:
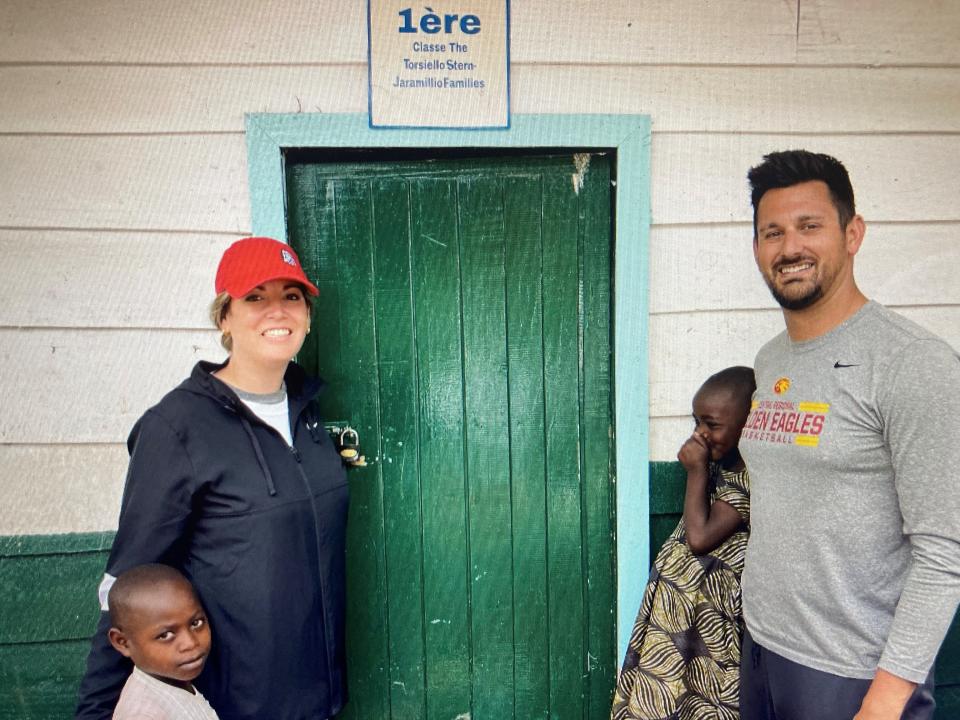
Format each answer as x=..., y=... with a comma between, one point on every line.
x=683, y=661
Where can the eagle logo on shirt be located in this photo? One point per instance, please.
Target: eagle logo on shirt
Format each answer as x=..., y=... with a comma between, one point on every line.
x=781, y=386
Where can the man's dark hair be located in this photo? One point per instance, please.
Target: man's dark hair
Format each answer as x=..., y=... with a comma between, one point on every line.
x=739, y=380
x=792, y=167
x=132, y=584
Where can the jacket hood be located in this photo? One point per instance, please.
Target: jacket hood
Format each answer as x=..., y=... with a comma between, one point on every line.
x=301, y=388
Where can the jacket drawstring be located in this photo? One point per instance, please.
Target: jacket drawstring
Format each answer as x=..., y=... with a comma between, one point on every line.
x=271, y=487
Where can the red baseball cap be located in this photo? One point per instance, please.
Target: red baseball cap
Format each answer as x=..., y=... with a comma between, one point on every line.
x=256, y=260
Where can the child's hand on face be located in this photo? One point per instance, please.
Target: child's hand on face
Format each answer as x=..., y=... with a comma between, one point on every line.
x=694, y=453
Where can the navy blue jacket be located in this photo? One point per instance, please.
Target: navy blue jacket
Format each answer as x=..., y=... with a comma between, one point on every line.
x=259, y=528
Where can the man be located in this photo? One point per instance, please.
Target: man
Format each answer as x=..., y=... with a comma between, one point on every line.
x=852, y=572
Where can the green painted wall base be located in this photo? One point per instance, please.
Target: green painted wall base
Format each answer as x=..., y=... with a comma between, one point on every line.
x=49, y=609
x=48, y=606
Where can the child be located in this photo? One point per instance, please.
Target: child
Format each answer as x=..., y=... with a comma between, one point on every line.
x=158, y=622
x=683, y=660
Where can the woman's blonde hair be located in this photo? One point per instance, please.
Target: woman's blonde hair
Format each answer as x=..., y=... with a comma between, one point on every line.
x=218, y=311
x=221, y=306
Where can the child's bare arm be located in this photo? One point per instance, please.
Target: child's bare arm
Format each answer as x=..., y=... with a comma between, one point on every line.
x=706, y=525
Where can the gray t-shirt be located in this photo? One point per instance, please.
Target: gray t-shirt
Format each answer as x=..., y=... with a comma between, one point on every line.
x=854, y=456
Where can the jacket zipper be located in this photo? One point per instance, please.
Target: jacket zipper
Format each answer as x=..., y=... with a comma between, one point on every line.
x=323, y=590
x=316, y=526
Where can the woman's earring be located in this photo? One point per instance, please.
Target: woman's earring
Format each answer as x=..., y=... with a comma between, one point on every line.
x=308, y=329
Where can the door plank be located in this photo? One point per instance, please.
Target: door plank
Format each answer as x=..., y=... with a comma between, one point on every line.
x=597, y=430
x=524, y=301
x=350, y=256
x=440, y=388
x=561, y=376
x=398, y=456
x=488, y=450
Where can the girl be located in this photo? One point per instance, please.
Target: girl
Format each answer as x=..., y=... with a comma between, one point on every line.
x=683, y=660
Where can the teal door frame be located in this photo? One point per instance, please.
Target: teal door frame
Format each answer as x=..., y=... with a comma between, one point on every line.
x=628, y=136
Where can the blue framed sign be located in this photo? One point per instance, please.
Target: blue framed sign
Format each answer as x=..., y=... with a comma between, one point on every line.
x=446, y=65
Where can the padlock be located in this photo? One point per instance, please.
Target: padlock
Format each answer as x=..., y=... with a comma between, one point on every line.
x=349, y=443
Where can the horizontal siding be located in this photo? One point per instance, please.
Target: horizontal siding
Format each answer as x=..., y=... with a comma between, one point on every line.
x=118, y=279
x=748, y=99
x=696, y=177
x=90, y=386
x=63, y=488
x=823, y=32
x=181, y=31
x=624, y=32
x=69, y=98
x=188, y=182
x=878, y=32
x=898, y=263
x=667, y=433
x=196, y=183
x=302, y=31
x=686, y=348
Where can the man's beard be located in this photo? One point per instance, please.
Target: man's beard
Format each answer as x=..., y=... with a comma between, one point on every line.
x=800, y=302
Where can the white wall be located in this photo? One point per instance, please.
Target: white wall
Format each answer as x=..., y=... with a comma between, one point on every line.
x=123, y=177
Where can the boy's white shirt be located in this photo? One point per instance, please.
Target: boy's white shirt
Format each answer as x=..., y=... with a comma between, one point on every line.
x=144, y=696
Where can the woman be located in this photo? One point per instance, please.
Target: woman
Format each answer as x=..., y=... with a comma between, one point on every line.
x=234, y=481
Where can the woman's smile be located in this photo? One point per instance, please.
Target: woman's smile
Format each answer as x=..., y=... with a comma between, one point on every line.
x=267, y=325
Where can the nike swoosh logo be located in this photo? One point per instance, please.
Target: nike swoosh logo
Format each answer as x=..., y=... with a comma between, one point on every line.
x=839, y=364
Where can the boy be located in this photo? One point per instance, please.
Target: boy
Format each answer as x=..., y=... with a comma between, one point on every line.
x=157, y=621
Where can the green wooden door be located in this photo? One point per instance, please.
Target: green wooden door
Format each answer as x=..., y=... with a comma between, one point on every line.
x=464, y=326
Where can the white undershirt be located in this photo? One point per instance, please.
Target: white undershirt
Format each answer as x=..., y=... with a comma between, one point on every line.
x=272, y=408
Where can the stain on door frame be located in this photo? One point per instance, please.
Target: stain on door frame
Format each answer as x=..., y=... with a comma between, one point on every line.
x=628, y=138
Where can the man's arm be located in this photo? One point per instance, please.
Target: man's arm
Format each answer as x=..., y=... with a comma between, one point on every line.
x=925, y=452
x=886, y=698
